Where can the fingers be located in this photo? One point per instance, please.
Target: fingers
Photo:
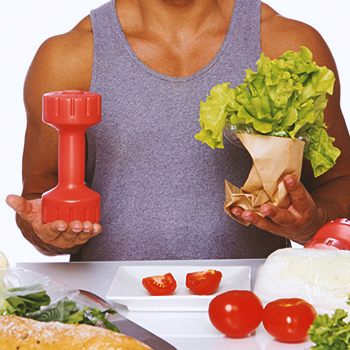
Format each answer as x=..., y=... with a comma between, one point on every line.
x=301, y=203
x=52, y=230
x=64, y=235
x=237, y=211
x=279, y=221
x=300, y=198
x=85, y=227
x=251, y=217
x=278, y=215
x=84, y=231
x=294, y=222
x=264, y=223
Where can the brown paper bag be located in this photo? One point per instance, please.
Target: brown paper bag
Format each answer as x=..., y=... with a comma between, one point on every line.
x=273, y=158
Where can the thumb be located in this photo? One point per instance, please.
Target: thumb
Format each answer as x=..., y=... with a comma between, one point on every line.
x=19, y=204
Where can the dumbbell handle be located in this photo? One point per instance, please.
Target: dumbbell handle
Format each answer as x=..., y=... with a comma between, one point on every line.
x=71, y=155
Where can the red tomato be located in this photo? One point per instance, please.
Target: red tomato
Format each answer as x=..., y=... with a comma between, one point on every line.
x=236, y=313
x=203, y=282
x=160, y=285
x=288, y=320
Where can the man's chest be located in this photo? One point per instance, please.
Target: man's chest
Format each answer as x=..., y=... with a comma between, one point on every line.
x=177, y=58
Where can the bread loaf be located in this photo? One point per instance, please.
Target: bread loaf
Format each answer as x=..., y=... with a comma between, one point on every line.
x=17, y=333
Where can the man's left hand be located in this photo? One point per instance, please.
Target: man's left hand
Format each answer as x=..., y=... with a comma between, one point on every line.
x=299, y=222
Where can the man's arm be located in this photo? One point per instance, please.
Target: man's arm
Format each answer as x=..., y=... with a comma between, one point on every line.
x=62, y=63
x=327, y=197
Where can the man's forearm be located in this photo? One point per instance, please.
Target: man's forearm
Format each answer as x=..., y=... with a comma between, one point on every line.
x=333, y=198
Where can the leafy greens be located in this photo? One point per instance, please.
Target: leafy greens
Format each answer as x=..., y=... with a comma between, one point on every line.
x=284, y=97
x=64, y=311
x=330, y=333
x=20, y=305
x=14, y=302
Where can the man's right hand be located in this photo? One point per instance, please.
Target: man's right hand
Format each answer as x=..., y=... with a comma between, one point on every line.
x=58, y=233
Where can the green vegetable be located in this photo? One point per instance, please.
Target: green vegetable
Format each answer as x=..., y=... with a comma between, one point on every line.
x=47, y=315
x=330, y=333
x=60, y=311
x=20, y=305
x=93, y=317
x=66, y=311
x=285, y=97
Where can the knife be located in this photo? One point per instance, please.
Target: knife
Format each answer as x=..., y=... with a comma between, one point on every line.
x=126, y=326
x=134, y=330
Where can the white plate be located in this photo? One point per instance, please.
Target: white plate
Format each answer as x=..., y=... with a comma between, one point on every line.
x=127, y=289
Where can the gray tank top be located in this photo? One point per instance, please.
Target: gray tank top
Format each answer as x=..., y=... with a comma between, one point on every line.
x=162, y=191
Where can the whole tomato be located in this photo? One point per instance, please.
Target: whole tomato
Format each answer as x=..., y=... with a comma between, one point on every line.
x=160, y=285
x=203, y=282
x=236, y=313
x=288, y=320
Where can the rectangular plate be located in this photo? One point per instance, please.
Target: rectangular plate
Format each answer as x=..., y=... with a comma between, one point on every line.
x=126, y=288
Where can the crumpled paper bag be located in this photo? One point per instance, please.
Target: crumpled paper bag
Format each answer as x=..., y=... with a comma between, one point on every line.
x=273, y=158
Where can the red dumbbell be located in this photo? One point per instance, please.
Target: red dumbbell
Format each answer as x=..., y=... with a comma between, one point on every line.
x=333, y=235
x=71, y=113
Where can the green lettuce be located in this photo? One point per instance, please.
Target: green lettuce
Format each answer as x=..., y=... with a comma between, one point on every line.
x=67, y=311
x=331, y=332
x=19, y=305
x=283, y=97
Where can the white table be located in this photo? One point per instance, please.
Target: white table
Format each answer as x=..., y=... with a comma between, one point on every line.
x=184, y=330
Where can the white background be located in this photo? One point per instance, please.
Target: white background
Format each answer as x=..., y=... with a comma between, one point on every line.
x=26, y=24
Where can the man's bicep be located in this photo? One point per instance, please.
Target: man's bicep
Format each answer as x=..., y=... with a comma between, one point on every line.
x=63, y=62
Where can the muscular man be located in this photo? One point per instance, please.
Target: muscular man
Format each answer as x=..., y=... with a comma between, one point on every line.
x=162, y=191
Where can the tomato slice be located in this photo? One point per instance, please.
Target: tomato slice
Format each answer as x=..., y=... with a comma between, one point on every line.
x=160, y=285
x=288, y=319
x=203, y=282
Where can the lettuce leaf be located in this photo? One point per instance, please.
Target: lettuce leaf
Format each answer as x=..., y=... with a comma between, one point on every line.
x=285, y=96
x=20, y=305
x=330, y=332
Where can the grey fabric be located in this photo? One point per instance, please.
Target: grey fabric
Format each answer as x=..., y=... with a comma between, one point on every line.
x=162, y=191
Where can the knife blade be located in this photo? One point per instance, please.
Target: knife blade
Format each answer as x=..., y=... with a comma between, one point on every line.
x=127, y=326
x=132, y=329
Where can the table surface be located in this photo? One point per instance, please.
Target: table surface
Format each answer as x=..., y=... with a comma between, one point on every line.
x=184, y=330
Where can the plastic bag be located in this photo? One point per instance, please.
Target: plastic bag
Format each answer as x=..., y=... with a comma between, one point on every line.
x=64, y=301
x=321, y=277
x=230, y=132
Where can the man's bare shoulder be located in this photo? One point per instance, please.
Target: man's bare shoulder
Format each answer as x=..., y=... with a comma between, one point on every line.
x=64, y=61
x=279, y=34
x=78, y=38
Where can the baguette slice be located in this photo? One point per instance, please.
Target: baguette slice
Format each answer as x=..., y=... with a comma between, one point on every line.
x=18, y=333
